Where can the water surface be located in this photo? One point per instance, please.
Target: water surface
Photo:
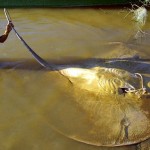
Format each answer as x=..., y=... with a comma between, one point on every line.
x=29, y=92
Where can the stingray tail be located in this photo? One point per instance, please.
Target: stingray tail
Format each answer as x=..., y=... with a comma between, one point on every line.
x=36, y=56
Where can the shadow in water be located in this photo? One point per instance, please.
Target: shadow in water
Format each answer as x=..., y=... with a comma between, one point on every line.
x=133, y=64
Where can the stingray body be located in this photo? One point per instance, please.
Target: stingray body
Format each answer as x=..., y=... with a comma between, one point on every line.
x=114, y=113
x=118, y=114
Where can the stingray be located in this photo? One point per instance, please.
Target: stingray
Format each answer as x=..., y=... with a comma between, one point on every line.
x=120, y=114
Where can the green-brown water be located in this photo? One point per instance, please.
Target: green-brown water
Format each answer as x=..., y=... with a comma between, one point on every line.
x=29, y=92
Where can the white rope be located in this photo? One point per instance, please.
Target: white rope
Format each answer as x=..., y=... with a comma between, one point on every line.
x=141, y=90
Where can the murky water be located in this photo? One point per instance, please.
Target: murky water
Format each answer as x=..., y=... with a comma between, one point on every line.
x=31, y=97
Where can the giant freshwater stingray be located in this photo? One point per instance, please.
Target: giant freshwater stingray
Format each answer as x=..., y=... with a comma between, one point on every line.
x=119, y=113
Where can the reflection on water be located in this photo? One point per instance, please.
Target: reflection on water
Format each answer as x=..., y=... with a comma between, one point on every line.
x=28, y=94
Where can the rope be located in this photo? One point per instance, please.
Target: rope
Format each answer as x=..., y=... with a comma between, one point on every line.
x=139, y=91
